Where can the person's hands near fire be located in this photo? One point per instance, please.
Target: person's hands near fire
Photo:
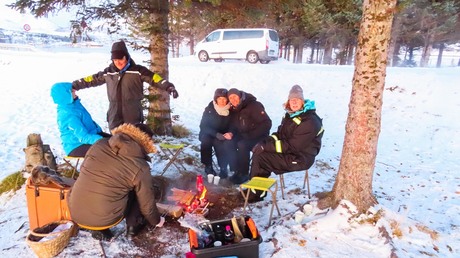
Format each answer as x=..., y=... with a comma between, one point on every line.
x=162, y=221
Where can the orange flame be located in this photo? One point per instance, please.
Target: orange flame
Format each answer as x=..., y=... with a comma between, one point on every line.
x=203, y=193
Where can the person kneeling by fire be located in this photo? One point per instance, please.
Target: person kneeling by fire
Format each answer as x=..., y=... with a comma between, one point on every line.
x=294, y=146
x=115, y=183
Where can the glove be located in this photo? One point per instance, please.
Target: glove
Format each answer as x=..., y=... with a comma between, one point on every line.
x=220, y=137
x=170, y=88
x=160, y=224
x=257, y=149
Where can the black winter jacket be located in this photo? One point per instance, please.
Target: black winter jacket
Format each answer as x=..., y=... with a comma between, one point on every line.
x=125, y=90
x=212, y=123
x=249, y=119
x=299, y=136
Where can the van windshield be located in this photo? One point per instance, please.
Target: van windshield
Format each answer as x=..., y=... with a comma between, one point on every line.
x=243, y=34
x=213, y=36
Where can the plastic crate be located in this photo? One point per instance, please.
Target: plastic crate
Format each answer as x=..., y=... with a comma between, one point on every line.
x=248, y=249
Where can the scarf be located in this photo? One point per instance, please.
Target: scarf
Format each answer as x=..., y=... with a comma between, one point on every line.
x=222, y=111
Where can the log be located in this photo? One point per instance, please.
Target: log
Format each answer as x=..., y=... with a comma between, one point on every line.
x=171, y=209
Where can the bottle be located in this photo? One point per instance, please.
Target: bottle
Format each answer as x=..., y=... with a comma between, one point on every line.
x=229, y=236
x=219, y=233
x=199, y=184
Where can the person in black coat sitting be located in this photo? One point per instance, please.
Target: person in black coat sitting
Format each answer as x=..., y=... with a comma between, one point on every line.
x=296, y=143
x=249, y=125
x=214, y=127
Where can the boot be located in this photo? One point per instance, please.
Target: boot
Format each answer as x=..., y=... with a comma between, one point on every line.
x=223, y=173
x=133, y=230
x=209, y=170
x=238, y=178
x=103, y=235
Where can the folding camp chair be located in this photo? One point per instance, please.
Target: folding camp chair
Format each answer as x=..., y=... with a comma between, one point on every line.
x=69, y=160
x=263, y=184
x=305, y=181
x=172, y=151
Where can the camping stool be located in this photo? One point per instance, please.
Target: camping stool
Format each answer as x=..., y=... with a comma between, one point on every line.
x=305, y=180
x=174, y=150
x=68, y=160
x=263, y=184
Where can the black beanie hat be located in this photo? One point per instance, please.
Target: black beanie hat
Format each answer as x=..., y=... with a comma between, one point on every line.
x=119, y=50
x=220, y=92
x=234, y=91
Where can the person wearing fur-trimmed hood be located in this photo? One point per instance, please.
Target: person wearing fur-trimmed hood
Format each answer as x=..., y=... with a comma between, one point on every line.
x=295, y=144
x=115, y=183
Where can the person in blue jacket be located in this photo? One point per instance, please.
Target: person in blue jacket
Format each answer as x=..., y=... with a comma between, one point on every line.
x=78, y=130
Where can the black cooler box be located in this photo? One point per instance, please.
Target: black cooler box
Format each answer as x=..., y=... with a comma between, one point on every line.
x=246, y=249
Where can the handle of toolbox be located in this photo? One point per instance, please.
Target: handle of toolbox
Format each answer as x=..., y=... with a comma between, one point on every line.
x=37, y=192
x=252, y=227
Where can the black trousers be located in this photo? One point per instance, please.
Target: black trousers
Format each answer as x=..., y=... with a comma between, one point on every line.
x=80, y=151
x=265, y=163
x=243, y=154
x=133, y=213
x=224, y=151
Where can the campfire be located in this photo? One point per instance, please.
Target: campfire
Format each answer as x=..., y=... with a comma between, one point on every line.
x=191, y=201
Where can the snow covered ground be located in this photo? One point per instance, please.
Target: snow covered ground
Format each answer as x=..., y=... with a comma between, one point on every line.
x=416, y=177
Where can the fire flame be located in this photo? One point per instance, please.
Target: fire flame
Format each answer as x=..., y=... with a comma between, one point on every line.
x=203, y=193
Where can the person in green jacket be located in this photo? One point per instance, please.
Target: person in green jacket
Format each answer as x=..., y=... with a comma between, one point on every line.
x=115, y=184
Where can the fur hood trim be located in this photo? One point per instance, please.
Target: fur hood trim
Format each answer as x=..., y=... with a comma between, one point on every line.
x=136, y=134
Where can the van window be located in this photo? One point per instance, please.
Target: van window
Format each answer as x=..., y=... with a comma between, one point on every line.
x=243, y=34
x=273, y=35
x=213, y=37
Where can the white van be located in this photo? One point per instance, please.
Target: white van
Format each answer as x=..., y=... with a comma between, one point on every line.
x=249, y=44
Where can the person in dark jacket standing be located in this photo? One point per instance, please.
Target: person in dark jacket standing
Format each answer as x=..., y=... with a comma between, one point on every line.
x=115, y=183
x=214, y=125
x=78, y=130
x=249, y=125
x=125, y=89
x=296, y=143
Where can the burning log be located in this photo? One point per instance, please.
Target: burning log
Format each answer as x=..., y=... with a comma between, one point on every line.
x=181, y=196
x=171, y=209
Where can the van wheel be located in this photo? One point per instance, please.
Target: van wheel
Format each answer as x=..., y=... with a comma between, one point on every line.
x=264, y=61
x=203, y=56
x=252, y=57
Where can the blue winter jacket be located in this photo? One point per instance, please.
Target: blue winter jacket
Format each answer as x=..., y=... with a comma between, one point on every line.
x=74, y=122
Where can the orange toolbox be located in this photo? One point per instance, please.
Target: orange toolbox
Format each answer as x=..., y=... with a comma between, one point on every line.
x=47, y=203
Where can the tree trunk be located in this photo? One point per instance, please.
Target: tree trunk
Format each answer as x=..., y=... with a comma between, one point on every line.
x=299, y=53
x=327, y=57
x=159, y=112
x=441, y=50
x=354, y=178
x=351, y=49
x=425, y=59
x=312, y=54
x=393, y=48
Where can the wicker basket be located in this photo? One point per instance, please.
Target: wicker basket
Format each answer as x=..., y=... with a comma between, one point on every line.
x=53, y=246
